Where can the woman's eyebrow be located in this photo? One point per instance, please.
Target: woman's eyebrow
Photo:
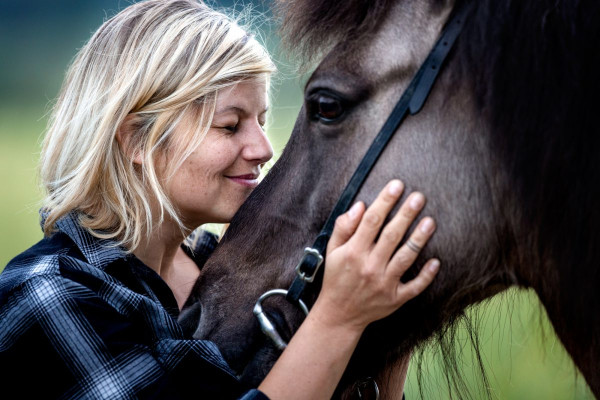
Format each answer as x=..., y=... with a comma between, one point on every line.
x=237, y=109
x=228, y=109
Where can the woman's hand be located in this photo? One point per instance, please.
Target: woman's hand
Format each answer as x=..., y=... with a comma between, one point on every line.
x=362, y=276
x=361, y=284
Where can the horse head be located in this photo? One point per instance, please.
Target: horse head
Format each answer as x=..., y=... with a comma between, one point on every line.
x=503, y=148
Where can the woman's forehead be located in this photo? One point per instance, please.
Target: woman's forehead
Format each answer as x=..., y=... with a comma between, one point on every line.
x=248, y=96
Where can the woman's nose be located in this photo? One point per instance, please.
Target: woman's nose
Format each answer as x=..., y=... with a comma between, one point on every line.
x=259, y=147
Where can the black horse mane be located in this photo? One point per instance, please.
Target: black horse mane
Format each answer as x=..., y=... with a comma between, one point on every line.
x=533, y=67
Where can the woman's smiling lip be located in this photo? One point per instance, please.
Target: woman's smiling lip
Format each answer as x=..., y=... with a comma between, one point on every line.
x=249, y=180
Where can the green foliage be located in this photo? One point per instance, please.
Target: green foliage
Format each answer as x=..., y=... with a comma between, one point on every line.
x=522, y=357
x=19, y=202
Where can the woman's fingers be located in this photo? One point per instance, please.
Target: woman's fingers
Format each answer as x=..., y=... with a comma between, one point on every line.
x=376, y=213
x=394, y=231
x=362, y=278
x=416, y=286
x=408, y=252
x=345, y=226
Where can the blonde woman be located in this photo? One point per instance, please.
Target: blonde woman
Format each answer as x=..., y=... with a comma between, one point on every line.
x=158, y=130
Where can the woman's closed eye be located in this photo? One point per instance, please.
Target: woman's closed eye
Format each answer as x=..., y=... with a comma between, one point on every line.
x=234, y=128
x=227, y=128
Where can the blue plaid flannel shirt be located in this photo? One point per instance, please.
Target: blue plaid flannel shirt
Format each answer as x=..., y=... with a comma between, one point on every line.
x=81, y=319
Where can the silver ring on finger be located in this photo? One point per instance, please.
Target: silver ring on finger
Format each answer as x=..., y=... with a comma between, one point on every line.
x=413, y=246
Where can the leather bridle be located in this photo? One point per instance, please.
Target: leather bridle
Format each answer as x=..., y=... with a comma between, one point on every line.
x=410, y=102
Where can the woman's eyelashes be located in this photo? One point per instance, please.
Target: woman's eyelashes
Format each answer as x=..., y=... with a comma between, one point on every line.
x=228, y=127
x=234, y=127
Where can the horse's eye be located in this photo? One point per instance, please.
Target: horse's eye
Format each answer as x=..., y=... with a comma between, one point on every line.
x=325, y=108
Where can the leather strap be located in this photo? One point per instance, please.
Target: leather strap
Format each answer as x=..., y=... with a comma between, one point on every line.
x=411, y=101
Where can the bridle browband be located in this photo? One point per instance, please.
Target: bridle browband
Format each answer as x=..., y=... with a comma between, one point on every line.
x=411, y=101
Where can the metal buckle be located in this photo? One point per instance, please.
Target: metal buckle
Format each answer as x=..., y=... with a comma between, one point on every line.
x=265, y=324
x=318, y=256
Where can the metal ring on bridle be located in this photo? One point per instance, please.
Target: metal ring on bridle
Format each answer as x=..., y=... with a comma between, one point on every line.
x=265, y=324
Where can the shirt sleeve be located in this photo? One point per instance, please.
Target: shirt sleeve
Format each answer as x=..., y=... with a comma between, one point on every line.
x=254, y=394
x=81, y=341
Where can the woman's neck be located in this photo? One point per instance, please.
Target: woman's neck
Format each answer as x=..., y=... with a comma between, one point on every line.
x=158, y=251
x=162, y=252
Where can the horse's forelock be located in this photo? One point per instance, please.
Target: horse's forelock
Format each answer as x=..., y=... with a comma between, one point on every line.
x=310, y=27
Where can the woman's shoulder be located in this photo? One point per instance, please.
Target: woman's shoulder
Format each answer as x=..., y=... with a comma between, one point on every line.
x=55, y=268
x=41, y=260
x=40, y=285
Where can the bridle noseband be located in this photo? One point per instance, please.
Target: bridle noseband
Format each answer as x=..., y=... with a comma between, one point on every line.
x=411, y=101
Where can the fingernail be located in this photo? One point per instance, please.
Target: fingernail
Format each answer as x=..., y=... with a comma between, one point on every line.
x=417, y=200
x=427, y=225
x=354, y=210
x=395, y=188
x=434, y=266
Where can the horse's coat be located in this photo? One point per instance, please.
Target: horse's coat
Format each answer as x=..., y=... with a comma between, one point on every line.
x=505, y=149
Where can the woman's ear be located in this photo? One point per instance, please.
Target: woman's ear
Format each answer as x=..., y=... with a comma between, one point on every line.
x=125, y=138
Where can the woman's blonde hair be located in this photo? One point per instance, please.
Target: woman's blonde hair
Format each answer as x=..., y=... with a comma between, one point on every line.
x=158, y=61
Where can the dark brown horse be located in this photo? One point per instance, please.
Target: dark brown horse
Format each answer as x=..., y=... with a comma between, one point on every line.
x=506, y=149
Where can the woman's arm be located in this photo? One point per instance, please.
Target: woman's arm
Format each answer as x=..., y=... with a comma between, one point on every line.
x=361, y=284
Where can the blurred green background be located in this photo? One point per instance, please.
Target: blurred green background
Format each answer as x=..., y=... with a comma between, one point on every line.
x=38, y=38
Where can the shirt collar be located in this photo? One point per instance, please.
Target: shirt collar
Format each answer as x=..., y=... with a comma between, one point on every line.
x=98, y=252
